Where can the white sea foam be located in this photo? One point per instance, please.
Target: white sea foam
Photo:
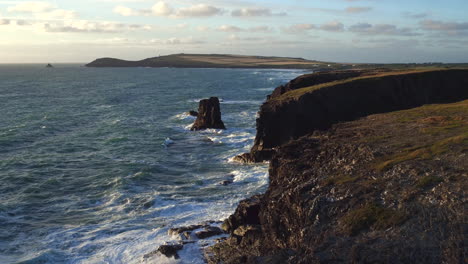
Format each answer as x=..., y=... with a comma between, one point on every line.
x=184, y=116
x=167, y=142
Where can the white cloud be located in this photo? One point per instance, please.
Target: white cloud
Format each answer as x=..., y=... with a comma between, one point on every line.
x=254, y=12
x=42, y=10
x=32, y=7
x=124, y=11
x=4, y=22
x=162, y=9
x=199, y=10
x=256, y=29
x=203, y=28
x=85, y=26
x=57, y=14
x=228, y=28
x=176, y=41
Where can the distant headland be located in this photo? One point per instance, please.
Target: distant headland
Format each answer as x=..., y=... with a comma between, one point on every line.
x=218, y=61
x=183, y=60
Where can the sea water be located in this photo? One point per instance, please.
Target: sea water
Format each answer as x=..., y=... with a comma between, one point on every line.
x=96, y=164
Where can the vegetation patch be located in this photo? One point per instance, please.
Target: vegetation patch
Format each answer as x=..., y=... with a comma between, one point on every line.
x=425, y=152
x=428, y=181
x=374, y=216
x=341, y=179
x=294, y=94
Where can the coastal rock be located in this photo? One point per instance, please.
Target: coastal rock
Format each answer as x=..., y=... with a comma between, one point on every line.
x=246, y=214
x=291, y=113
x=387, y=188
x=193, y=113
x=170, y=250
x=209, y=232
x=209, y=115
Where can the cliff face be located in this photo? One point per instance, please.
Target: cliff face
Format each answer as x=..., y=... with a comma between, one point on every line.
x=298, y=112
x=387, y=188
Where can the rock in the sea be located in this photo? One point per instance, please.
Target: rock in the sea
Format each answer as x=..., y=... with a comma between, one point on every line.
x=209, y=115
x=170, y=250
x=209, y=232
x=193, y=113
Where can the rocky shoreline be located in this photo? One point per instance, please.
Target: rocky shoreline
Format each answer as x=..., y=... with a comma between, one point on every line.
x=365, y=167
x=349, y=185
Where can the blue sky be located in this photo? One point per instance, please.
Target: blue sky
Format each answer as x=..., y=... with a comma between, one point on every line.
x=390, y=31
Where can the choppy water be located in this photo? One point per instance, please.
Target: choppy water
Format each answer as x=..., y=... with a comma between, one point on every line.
x=97, y=164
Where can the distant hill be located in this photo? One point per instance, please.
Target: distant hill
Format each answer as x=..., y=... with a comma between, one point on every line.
x=217, y=61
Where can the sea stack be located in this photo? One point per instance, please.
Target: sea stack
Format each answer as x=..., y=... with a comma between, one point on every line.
x=49, y=65
x=209, y=115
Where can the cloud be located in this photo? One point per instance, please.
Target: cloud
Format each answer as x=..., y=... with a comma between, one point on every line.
x=177, y=41
x=227, y=28
x=298, y=28
x=162, y=9
x=333, y=26
x=31, y=7
x=199, y=10
x=84, y=26
x=256, y=29
x=358, y=9
x=255, y=12
x=443, y=26
x=381, y=29
x=42, y=10
x=125, y=11
x=4, y=22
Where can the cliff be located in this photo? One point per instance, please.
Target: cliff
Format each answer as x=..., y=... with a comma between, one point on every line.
x=317, y=101
x=218, y=61
x=386, y=188
x=365, y=167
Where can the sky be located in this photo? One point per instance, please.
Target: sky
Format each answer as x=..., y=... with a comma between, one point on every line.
x=380, y=31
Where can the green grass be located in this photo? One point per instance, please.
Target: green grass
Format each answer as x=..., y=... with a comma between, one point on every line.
x=425, y=152
x=341, y=179
x=371, y=215
x=294, y=94
x=428, y=181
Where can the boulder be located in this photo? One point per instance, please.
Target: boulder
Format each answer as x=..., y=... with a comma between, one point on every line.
x=170, y=250
x=193, y=113
x=209, y=115
x=209, y=232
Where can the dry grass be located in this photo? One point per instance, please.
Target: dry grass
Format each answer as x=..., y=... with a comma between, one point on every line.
x=373, y=76
x=249, y=60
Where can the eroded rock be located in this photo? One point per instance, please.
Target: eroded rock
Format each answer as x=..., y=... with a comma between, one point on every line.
x=209, y=115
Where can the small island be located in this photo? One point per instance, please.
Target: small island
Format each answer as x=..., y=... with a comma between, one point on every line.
x=49, y=65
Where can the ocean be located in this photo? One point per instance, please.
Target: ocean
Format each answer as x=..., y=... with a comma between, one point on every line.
x=96, y=164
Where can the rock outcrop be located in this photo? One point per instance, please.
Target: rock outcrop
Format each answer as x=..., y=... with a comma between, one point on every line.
x=387, y=188
x=209, y=115
x=294, y=110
